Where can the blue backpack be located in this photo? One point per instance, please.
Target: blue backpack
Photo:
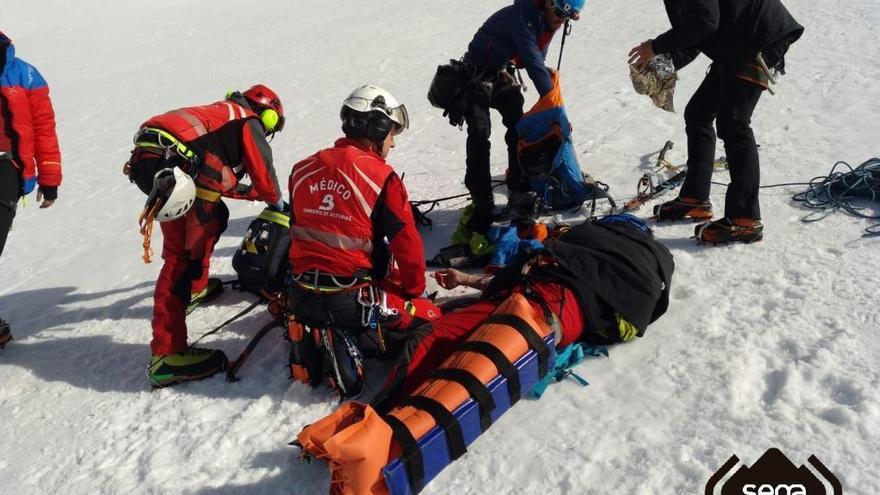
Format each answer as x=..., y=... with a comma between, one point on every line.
x=546, y=153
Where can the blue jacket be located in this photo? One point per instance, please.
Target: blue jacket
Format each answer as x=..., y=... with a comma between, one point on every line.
x=511, y=32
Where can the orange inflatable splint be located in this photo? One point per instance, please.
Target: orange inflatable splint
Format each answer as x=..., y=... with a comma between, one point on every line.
x=500, y=361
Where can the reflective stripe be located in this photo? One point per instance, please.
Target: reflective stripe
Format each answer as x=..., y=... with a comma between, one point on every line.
x=301, y=168
x=276, y=217
x=373, y=185
x=231, y=111
x=207, y=195
x=358, y=194
x=193, y=121
x=332, y=240
x=304, y=177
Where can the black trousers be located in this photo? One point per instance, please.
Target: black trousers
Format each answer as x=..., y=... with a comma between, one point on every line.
x=508, y=100
x=725, y=102
x=10, y=191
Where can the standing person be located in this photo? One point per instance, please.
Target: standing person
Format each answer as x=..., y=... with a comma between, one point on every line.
x=516, y=36
x=356, y=256
x=217, y=144
x=747, y=41
x=29, y=153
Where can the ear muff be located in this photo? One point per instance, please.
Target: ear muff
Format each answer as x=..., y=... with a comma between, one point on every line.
x=378, y=127
x=272, y=122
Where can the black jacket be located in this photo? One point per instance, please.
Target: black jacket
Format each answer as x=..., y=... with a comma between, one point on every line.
x=611, y=269
x=730, y=32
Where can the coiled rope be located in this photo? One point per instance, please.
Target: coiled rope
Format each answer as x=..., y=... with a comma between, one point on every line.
x=852, y=190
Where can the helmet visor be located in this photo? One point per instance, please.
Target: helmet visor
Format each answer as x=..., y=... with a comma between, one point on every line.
x=397, y=114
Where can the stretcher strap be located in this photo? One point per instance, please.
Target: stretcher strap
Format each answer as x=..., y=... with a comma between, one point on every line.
x=502, y=364
x=535, y=342
x=444, y=419
x=411, y=456
x=475, y=388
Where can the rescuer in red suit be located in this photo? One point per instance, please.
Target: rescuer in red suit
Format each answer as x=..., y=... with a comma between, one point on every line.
x=210, y=149
x=356, y=256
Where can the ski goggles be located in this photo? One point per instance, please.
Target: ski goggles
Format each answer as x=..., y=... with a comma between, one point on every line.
x=398, y=115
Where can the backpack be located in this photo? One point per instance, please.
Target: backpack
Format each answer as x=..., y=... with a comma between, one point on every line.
x=451, y=88
x=546, y=154
x=261, y=262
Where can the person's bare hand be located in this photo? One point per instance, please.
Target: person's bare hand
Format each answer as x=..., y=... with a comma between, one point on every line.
x=450, y=278
x=641, y=56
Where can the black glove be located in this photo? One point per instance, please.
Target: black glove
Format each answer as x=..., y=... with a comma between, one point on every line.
x=49, y=192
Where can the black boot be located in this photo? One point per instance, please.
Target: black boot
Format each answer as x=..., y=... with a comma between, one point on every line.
x=482, y=217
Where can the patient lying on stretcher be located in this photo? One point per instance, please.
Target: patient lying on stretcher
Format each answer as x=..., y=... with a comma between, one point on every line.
x=602, y=282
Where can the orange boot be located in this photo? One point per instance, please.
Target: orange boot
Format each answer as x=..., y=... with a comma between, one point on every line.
x=726, y=230
x=681, y=208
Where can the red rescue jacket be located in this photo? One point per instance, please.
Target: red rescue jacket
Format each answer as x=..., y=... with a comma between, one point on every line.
x=28, y=120
x=350, y=217
x=229, y=140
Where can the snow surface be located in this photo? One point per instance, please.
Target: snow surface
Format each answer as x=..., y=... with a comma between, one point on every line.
x=768, y=345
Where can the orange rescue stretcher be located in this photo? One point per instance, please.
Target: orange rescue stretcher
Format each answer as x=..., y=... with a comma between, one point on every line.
x=398, y=453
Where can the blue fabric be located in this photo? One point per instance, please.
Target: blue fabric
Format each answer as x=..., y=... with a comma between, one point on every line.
x=433, y=444
x=567, y=358
x=564, y=187
x=626, y=218
x=514, y=31
x=29, y=185
x=19, y=73
x=508, y=246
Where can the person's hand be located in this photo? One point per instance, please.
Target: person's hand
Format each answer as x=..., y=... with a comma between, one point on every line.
x=450, y=278
x=641, y=56
x=47, y=195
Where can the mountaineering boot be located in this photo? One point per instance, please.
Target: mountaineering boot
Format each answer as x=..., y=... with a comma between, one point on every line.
x=5, y=334
x=193, y=363
x=524, y=204
x=725, y=230
x=212, y=289
x=681, y=208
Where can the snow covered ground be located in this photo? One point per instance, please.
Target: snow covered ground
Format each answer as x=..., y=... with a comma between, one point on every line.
x=768, y=345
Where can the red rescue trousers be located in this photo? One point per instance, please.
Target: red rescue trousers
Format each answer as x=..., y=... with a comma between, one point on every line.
x=187, y=247
x=429, y=347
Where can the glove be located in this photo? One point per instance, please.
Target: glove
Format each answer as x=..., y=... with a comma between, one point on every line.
x=50, y=193
x=28, y=186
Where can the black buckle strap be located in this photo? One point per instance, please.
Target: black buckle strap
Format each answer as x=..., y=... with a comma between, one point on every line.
x=411, y=455
x=475, y=388
x=535, y=342
x=444, y=419
x=502, y=364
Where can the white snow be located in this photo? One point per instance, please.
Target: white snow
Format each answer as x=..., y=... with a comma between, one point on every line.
x=767, y=345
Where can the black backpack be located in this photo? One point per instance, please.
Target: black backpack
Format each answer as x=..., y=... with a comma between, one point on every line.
x=451, y=89
x=261, y=262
